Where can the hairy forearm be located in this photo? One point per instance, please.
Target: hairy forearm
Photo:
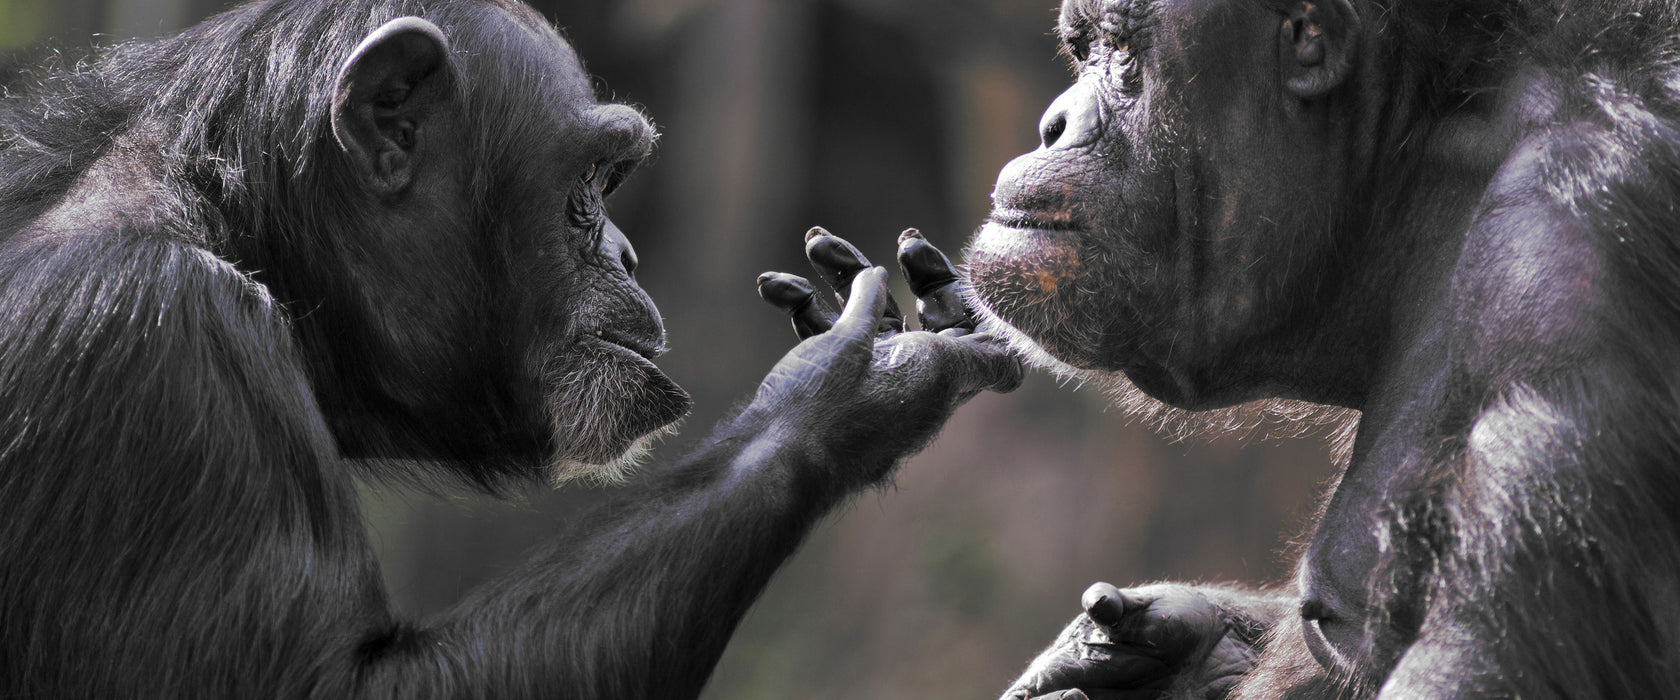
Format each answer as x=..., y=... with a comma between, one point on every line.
x=641, y=600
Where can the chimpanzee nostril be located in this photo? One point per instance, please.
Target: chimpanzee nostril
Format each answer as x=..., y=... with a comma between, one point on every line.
x=1073, y=120
x=615, y=245
x=1052, y=128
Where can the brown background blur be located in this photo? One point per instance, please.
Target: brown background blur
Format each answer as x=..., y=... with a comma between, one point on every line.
x=864, y=116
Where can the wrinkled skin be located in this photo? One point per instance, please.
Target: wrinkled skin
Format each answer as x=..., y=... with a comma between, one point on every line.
x=1453, y=217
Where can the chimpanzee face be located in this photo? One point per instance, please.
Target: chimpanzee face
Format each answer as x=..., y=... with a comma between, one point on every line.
x=1176, y=212
x=507, y=310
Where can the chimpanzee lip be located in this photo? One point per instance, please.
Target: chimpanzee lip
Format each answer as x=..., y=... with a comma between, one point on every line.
x=1037, y=221
x=645, y=349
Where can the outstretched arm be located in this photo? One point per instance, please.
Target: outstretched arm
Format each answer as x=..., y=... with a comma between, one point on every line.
x=183, y=527
x=642, y=602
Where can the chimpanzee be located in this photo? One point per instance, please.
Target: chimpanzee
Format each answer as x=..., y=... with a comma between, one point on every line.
x=308, y=237
x=1460, y=218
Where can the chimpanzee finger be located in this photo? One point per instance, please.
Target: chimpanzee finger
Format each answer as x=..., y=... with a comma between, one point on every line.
x=934, y=281
x=837, y=261
x=796, y=296
x=1108, y=605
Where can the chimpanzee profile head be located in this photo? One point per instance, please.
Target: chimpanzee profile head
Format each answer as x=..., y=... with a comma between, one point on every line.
x=1185, y=211
x=444, y=248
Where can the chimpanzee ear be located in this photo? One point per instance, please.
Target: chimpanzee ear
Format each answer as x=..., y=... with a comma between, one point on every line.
x=1318, y=42
x=389, y=89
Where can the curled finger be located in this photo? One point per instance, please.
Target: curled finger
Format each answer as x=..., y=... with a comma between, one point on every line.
x=838, y=262
x=1107, y=605
x=934, y=281
x=796, y=296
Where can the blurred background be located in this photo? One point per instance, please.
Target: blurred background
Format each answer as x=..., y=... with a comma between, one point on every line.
x=866, y=117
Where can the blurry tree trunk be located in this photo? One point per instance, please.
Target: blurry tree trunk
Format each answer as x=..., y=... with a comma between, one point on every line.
x=732, y=163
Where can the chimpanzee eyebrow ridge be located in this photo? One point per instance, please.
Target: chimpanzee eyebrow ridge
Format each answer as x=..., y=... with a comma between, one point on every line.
x=1116, y=20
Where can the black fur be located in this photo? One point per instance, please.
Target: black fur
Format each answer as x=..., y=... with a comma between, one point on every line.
x=204, y=317
x=234, y=136
x=159, y=374
x=1477, y=228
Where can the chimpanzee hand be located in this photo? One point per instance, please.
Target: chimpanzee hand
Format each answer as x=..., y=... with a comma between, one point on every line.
x=864, y=389
x=1140, y=643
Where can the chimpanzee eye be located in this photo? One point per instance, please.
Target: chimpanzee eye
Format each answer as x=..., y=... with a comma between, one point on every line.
x=584, y=205
x=1131, y=74
x=1079, y=49
x=1077, y=45
x=603, y=177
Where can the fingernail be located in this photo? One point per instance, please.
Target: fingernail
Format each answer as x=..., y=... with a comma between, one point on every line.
x=766, y=277
x=908, y=234
x=814, y=232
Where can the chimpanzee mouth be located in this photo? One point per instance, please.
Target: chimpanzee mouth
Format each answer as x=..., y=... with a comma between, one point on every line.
x=1060, y=221
x=647, y=350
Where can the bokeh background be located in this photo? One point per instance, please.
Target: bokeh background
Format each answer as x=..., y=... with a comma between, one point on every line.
x=864, y=116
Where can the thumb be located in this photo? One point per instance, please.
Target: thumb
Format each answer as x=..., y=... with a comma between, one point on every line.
x=864, y=306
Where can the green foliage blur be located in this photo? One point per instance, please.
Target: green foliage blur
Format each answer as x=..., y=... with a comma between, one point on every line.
x=21, y=22
x=866, y=117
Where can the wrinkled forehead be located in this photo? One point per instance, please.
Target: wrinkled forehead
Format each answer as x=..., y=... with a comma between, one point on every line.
x=1108, y=16
x=1088, y=11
